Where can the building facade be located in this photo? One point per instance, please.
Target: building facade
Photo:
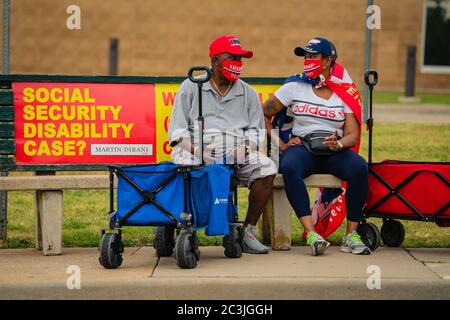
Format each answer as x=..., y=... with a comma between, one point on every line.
x=165, y=38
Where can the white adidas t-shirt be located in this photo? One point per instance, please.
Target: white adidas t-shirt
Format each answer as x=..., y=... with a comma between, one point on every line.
x=312, y=113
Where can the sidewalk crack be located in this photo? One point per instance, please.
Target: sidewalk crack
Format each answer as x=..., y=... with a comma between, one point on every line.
x=137, y=250
x=154, y=267
x=424, y=263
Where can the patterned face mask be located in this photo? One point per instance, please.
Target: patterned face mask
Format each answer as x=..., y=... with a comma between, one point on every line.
x=231, y=69
x=313, y=68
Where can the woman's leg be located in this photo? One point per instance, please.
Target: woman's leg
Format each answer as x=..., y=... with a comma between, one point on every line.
x=352, y=168
x=297, y=163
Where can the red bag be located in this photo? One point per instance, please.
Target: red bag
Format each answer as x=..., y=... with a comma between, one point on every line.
x=328, y=217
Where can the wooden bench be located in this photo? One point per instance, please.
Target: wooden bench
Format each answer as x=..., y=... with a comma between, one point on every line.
x=275, y=225
x=49, y=202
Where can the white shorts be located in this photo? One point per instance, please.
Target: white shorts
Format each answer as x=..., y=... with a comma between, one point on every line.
x=257, y=166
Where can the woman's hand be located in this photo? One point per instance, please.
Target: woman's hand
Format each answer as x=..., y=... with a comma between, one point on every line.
x=290, y=143
x=332, y=142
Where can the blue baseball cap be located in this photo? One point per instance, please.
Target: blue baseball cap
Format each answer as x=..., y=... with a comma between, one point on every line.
x=318, y=45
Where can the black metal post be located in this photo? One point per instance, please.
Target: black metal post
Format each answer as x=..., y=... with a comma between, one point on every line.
x=113, y=56
x=5, y=70
x=111, y=191
x=371, y=83
x=4, y=213
x=410, y=71
x=6, y=36
x=367, y=60
x=201, y=121
x=370, y=123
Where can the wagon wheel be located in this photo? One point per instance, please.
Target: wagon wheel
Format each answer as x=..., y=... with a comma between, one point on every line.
x=111, y=249
x=187, y=250
x=232, y=242
x=164, y=241
x=392, y=233
x=370, y=235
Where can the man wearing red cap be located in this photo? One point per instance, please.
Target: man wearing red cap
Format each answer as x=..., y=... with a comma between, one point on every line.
x=233, y=119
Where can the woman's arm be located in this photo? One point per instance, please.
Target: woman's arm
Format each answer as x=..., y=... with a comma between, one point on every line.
x=270, y=108
x=351, y=131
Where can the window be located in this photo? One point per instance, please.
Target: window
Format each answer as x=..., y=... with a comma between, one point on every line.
x=436, y=37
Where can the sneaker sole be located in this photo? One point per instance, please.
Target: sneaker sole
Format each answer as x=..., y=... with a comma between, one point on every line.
x=320, y=249
x=365, y=251
x=252, y=251
x=346, y=249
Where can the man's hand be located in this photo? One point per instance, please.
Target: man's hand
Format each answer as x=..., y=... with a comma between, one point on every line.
x=292, y=142
x=208, y=154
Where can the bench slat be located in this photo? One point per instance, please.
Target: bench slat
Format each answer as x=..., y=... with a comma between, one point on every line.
x=6, y=97
x=6, y=130
x=7, y=146
x=7, y=161
x=16, y=183
x=6, y=113
x=29, y=183
x=315, y=180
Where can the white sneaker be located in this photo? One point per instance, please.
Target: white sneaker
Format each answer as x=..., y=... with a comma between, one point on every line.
x=352, y=243
x=251, y=244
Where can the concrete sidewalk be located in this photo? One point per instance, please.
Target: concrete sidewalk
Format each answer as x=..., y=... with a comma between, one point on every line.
x=294, y=274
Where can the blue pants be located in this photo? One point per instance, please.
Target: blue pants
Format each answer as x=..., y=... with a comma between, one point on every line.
x=297, y=163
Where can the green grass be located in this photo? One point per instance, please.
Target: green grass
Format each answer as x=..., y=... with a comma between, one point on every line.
x=85, y=212
x=386, y=97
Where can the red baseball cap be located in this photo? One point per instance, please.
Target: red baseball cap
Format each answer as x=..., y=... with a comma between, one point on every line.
x=229, y=44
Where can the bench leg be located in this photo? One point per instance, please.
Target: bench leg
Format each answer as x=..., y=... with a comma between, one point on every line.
x=49, y=221
x=37, y=225
x=281, y=220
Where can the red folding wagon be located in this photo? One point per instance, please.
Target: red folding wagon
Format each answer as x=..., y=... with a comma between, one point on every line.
x=403, y=190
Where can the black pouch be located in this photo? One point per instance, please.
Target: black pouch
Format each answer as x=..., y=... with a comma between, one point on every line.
x=314, y=143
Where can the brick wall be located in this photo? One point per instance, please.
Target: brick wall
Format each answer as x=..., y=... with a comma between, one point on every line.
x=166, y=37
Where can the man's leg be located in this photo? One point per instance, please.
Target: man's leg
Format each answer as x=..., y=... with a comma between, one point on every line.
x=260, y=191
x=259, y=174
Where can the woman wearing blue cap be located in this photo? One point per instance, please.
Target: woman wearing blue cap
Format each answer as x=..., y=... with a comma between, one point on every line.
x=326, y=110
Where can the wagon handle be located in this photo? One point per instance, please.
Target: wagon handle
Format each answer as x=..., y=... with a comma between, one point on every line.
x=199, y=80
x=367, y=79
x=370, y=83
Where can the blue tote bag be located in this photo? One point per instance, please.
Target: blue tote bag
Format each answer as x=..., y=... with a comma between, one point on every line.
x=210, y=188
